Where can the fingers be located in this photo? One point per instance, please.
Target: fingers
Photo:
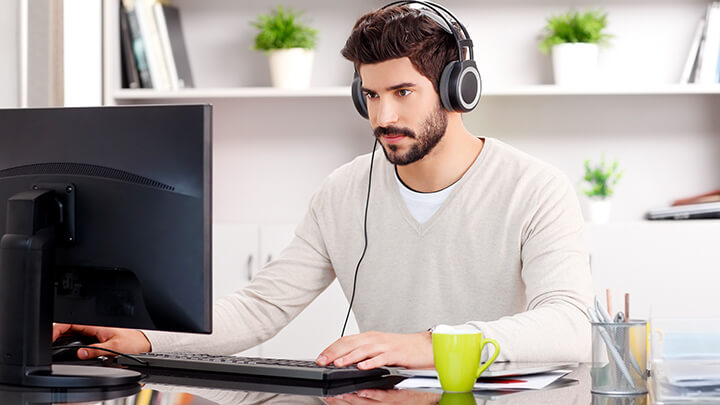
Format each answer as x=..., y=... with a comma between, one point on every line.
x=397, y=396
x=375, y=349
x=59, y=329
x=377, y=395
x=95, y=331
x=117, y=339
x=84, y=353
x=343, y=346
x=352, y=399
x=361, y=353
x=380, y=360
x=337, y=400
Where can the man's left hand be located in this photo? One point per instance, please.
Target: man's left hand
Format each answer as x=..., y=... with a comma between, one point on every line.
x=393, y=396
x=377, y=349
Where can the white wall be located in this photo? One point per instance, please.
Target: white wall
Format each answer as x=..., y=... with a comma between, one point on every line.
x=9, y=53
x=650, y=41
x=668, y=146
x=82, y=53
x=668, y=268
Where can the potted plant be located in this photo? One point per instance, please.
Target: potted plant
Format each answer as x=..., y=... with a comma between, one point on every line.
x=572, y=39
x=289, y=45
x=600, y=180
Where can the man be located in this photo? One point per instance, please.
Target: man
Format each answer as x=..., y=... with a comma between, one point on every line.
x=461, y=230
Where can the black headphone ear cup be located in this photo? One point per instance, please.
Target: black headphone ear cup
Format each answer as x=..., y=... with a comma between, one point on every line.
x=460, y=86
x=444, y=86
x=469, y=86
x=357, y=96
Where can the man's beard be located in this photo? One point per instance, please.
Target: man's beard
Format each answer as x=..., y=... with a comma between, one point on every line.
x=433, y=129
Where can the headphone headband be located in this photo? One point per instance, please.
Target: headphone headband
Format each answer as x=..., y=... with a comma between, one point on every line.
x=435, y=8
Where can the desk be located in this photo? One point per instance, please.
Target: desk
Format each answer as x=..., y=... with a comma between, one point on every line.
x=188, y=390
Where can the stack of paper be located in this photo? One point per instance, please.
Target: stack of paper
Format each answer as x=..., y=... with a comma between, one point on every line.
x=689, y=366
x=522, y=382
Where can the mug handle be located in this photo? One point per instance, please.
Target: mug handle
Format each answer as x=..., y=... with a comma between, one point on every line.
x=491, y=359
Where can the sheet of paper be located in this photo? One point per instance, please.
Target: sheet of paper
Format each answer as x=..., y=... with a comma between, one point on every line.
x=526, y=382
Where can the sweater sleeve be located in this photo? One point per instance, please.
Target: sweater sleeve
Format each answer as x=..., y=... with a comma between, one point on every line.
x=274, y=297
x=558, y=284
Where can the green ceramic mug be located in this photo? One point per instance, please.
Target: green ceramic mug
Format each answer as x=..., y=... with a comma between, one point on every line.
x=457, y=359
x=457, y=398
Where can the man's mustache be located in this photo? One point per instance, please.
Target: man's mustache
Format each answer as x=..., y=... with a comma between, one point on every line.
x=379, y=131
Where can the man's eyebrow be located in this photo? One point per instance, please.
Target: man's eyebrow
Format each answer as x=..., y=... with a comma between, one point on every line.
x=393, y=87
x=401, y=86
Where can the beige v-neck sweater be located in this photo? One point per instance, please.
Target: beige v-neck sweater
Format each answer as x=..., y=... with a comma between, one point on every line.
x=504, y=253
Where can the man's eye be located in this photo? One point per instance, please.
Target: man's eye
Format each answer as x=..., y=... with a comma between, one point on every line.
x=404, y=92
x=370, y=95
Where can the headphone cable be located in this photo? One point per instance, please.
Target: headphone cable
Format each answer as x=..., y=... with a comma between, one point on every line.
x=367, y=203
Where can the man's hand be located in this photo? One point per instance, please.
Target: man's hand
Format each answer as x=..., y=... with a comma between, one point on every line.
x=120, y=340
x=376, y=349
x=371, y=397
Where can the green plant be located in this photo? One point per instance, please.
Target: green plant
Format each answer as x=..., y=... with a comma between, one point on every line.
x=281, y=29
x=575, y=27
x=601, y=178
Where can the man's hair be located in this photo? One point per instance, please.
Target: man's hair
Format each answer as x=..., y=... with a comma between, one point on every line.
x=397, y=32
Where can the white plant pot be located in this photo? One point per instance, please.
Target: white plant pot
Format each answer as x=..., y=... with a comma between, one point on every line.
x=575, y=63
x=291, y=68
x=599, y=210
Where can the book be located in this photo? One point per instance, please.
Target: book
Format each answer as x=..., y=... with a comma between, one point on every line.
x=131, y=77
x=691, y=61
x=711, y=51
x=172, y=40
x=138, y=45
x=151, y=39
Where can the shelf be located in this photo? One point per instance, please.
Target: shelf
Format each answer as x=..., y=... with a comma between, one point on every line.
x=344, y=91
x=641, y=90
x=237, y=92
x=642, y=223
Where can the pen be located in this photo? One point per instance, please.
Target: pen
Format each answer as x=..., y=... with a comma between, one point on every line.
x=604, y=315
x=594, y=317
x=619, y=317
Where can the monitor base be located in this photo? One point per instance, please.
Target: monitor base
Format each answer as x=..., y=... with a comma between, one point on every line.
x=67, y=376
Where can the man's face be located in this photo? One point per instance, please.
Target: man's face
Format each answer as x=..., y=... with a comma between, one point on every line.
x=404, y=110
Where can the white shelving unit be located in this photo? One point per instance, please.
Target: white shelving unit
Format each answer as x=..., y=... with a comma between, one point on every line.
x=228, y=93
x=272, y=148
x=124, y=95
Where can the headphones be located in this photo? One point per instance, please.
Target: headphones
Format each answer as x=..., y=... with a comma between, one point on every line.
x=460, y=84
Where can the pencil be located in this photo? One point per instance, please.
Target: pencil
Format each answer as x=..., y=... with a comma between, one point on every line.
x=609, y=302
x=627, y=307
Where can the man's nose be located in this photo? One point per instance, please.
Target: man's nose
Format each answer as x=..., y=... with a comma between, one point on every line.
x=386, y=114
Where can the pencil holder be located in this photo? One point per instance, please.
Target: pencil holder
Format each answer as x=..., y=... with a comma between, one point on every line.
x=619, y=357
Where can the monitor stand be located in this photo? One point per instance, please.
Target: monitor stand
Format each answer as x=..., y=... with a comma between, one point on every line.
x=27, y=263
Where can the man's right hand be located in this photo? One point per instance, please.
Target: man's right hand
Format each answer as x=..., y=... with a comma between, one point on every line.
x=120, y=340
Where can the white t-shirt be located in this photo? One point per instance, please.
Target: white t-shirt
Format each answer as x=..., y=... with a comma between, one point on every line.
x=422, y=206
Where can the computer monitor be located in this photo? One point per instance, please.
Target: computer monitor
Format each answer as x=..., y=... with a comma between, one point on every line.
x=105, y=218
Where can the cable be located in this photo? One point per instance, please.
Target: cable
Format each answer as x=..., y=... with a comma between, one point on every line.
x=367, y=203
x=128, y=356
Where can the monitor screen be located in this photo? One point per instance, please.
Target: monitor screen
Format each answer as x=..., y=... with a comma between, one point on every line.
x=126, y=194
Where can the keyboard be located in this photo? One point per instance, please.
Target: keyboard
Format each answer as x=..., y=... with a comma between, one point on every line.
x=251, y=366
